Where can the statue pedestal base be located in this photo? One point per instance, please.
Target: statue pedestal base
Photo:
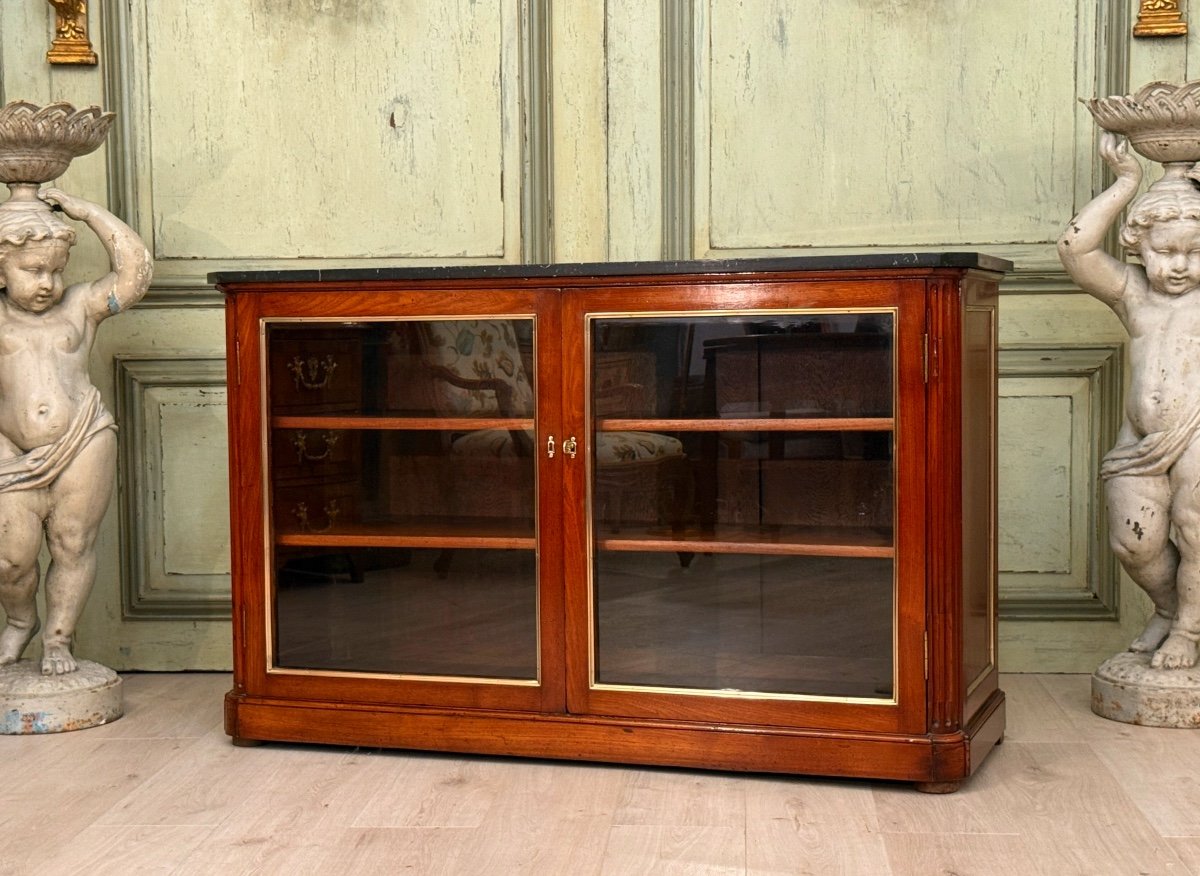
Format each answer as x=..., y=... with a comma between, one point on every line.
x=1126, y=689
x=34, y=703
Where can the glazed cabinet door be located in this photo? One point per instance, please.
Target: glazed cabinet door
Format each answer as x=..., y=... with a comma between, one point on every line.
x=392, y=551
x=746, y=503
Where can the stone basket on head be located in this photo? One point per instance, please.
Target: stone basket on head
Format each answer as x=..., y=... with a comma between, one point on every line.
x=1162, y=120
x=38, y=143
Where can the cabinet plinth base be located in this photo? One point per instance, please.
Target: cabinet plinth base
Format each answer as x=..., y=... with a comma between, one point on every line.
x=937, y=763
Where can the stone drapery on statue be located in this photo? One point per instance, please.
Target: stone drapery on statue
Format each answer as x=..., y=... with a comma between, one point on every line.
x=40, y=466
x=1153, y=454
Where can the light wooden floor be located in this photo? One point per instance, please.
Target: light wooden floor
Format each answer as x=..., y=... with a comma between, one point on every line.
x=163, y=791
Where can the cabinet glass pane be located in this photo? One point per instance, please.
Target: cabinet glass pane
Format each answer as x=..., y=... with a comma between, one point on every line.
x=452, y=368
x=742, y=492
x=820, y=626
x=754, y=365
x=402, y=493
x=407, y=611
x=378, y=482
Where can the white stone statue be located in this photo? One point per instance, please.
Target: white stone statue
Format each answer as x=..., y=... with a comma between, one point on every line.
x=57, y=442
x=1150, y=476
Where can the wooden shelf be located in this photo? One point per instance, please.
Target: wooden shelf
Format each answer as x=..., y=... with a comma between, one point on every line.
x=649, y=424
x=793, y=541
x=402, y=424
x=479, y=533
x=750, y=424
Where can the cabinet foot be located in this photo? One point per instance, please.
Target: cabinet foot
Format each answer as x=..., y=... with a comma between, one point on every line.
x=241, y=742
x=937, y=787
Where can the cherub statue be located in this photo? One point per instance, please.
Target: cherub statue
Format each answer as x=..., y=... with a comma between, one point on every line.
x=57, y=442
x=1151, y=475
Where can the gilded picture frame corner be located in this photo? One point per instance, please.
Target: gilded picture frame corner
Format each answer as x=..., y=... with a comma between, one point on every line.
x=71, y=43
x=1160, y=18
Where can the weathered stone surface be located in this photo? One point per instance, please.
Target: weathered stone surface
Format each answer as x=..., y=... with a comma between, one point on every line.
x=1149, y=477
x=31, y=702
x=1126, y=689
x=58, y=446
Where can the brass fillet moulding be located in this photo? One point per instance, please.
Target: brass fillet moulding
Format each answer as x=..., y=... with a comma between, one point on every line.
x=1160, y=18
x=593, y=684
x=71, y=44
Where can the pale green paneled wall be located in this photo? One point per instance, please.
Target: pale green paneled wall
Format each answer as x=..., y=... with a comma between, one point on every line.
x=270, y=133
x=919, y=137
x=350, y=131
x=375, y=134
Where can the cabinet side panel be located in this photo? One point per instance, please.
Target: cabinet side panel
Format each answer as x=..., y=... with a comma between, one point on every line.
x=979, y=412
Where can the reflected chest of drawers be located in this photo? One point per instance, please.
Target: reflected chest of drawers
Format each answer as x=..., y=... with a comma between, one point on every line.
x=735, y=515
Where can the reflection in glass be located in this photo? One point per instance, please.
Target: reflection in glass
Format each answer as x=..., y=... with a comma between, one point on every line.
x=377, y=481
x=819, y=626
x=742, y=501
x=753, y=365
x=398, y=611
x=448, y=367
x=402, y=496
x=827, y=480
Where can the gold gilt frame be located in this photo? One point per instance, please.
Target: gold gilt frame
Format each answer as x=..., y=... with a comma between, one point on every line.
x=1160, y=18
x=71, y=44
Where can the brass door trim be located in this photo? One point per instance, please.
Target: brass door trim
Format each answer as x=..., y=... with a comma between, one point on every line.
x=762, y=696
x=401, y=676
x=589, y=432
x=268, y=529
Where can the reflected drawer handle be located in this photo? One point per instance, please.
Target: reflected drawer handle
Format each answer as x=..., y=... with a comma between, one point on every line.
x=303, y=454
x=331, y=509
x=312, y=373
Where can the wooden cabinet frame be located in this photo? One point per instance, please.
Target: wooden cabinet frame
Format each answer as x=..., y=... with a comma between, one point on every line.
x=945, y=710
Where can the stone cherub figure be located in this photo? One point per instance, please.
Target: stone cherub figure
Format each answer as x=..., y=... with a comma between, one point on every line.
x=57, y=442
x=1152, y=476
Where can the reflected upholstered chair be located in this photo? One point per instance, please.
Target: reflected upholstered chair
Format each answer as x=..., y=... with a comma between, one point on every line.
x=478, y=368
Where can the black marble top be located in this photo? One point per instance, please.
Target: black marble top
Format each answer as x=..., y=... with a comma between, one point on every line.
x=870, y=261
